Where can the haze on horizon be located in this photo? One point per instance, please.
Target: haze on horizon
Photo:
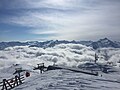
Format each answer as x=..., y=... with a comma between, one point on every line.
x=24, y=20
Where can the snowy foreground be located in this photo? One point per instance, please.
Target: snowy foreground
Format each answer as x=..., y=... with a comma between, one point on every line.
x=70, y=55
x=65, y=80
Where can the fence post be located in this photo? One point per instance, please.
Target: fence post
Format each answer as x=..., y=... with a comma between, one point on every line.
x=4, y=85
x=16, y=80
x=19, y=79
x=9, y=84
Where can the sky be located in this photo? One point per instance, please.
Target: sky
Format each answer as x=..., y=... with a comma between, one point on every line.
x=25, y=20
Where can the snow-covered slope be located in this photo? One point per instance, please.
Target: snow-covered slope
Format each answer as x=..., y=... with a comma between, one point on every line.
x=105, y=43
x=65, y=80
x=96, y=44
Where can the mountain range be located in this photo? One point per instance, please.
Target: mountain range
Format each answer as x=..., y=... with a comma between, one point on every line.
x=105, y=42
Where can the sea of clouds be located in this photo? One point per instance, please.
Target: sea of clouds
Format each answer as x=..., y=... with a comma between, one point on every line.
x=63, y=54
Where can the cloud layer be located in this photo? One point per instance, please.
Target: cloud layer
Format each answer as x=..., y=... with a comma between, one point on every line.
x=71, y=55
x=63, y=54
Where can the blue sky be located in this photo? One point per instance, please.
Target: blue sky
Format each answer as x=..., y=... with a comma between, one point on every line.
x=24, y=20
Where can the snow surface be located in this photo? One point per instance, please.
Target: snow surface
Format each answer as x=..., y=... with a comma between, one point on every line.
x=66, y=80
x=71, y=55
